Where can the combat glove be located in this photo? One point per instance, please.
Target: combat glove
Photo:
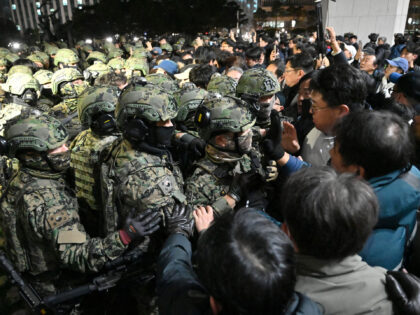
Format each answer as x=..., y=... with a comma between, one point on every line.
x=272, y=143
x=404, y=291
x=136, y=228
x=178, y=220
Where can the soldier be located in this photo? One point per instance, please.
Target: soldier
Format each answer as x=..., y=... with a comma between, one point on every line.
x=220, y=178
x=47, y=100
x=222, y=84
x=136, y=67
x=141, y=166
x=66, y=58
x=140, y=171
x=257, y=87
x=3, y=69
x=68, y=83
x=96, y=108
x=21, y=92
x=190, y=146
x=97, y=66
x=44, y=237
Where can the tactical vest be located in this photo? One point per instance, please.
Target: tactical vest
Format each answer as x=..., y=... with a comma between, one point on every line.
x=87, y=152
x=114, y=178
x=26, y=255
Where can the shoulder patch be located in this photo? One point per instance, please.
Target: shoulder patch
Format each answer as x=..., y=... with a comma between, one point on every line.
x=58, y=219
x=71, y=237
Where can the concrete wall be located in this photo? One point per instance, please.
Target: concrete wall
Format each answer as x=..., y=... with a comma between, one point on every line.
x=363, y=17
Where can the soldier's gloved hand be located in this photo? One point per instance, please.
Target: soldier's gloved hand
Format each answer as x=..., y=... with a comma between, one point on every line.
x=272, y=143
x=238, y=188
x=271, y=171
x=404, y=291
x=179, y=220
x=136, y=228
x=197, y=147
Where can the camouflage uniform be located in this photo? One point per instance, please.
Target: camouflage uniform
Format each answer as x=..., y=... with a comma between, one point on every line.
x=44, y=78
x=222, y=84
x=213, y=174
x=163, y=81
x=141, y=178
x=253, y=84
x=40, y=217
x=66, y=111
x=96, y=109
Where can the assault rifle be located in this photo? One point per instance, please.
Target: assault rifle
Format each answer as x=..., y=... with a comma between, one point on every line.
x=126, y=267
x=320, y=38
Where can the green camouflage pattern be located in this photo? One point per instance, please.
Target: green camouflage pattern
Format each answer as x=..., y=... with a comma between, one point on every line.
x=226, y=114
x=258, y=82
x=64, y=75
x=65, y=56
x=94, y=100
x=44, y=235
x=210, y=182
x=139, y=52
x=166, y=47
x=35, y=58
x=97, y=55
x=12, y=57
x=4, y=51
x=12, y=112
x=19, y=69
x=222, y=84
x=189, y=98
x=66, y=112
x=87, y=152
x=44, y=57
x=114, y=53
x=17, y=83
x=50, y=49
x=43, y=76
x=99, y=68
x=40, y=133
x=3, y=62
x=163, y=81
x=140, y=180
x=139, y=64
x=117, y=63
x=148, y=102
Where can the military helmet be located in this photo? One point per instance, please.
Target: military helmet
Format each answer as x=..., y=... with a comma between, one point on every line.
x=134, y=63
x=64, y=75
x=148, y=102
x=4, y=51
x=163, y=81
x=43, y=76
x=257, y=82
x=20, y=69
x=226, y=114
x=96, y=55
x=190, y=97
x=65, y=56
x=95, y=100
x=116, y=52
x=139, y=52
x=35, y=58
x=17, y=83
x=44, y=57
x=116, y=63
x=12, y=57
x=41, y=133
x=3, y=62
x=166, y=47
x=51, y=49
x=222, y=84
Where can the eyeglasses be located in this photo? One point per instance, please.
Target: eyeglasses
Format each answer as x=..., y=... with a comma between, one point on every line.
x=315, y=109
x=290, y=70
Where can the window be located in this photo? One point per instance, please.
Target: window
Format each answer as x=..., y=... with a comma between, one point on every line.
x=79, y=2
x=18, y=27
x=13, y=6
x=64, y=2
x=38, y=4
x=38, y=11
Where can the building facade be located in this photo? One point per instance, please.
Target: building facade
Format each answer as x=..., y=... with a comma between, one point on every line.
x=26, y=14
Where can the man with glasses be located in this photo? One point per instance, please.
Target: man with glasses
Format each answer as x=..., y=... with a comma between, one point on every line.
x=296, y=67
x=336, y=91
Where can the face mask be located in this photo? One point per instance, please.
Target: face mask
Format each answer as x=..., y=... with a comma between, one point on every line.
x=30, y=97
x=306, y=105
x=59, y=162
x=47, y=93
x=265, y=110
x=244, y=142
x=161, y=136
